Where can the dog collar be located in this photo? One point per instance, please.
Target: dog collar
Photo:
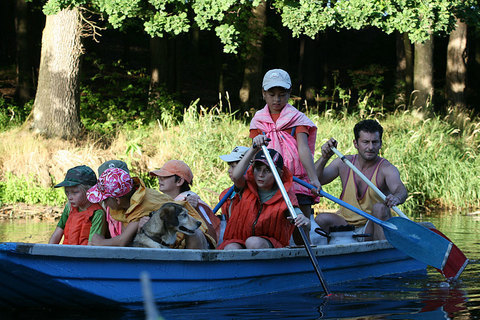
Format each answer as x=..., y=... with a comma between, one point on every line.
x=163, y=243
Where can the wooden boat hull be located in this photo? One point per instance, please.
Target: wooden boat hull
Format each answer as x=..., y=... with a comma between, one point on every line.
x=42, y=275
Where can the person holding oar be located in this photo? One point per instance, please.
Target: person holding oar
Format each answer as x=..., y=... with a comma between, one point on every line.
x=261, y=218
x=368, y=142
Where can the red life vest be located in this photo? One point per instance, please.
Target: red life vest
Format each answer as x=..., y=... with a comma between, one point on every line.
x=229, y=203
x=266, y=220
x=77, y=228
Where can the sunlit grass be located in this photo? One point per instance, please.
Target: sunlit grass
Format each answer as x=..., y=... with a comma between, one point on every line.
x=437, y=158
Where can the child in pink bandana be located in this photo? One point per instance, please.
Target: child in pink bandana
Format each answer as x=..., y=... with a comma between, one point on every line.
x=290, y=132
x=129, y=200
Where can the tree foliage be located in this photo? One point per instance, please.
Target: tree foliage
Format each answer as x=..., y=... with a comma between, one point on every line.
x=229, y=18
x=418, y=18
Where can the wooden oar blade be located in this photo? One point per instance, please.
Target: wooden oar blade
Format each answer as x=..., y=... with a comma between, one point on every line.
x=418, y=242
x=456, y=262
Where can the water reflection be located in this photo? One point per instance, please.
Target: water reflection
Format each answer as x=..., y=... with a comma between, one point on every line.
x=31, y=231
x=414, y=296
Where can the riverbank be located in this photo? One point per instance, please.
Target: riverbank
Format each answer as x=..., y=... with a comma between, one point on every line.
x=437, y=157
x=26, y=211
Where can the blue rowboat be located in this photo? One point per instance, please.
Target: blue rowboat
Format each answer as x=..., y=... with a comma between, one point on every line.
x=42, y=275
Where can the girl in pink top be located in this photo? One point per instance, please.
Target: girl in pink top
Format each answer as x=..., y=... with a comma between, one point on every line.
x=290, y=132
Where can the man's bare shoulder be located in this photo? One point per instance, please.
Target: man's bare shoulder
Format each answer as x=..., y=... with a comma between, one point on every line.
x=387, y=167
x=342, y=167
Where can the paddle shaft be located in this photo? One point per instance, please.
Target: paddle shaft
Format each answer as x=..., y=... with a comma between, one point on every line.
x=407, y=236
x=366, y=180
x=455, y=265
x=347, y=205
x=222, y=201
x=312, y=257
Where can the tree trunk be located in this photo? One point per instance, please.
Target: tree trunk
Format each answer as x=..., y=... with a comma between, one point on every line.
x=301, y=62
x=401, y=70
x=56, y=111
x=456, y=73
x=158, y=66
x=250, y=93
x=423, y=75
x=403, y=81
x=407, y=45
x=24, y=87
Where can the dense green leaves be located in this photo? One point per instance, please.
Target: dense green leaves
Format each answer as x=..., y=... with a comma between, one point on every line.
x=418, y=18
x=229, y=18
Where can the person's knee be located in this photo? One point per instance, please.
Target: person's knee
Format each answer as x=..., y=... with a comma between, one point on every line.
x=322, y=219
x=381, y=211
x=327, y=220
x=256, y=243
x=233, y=246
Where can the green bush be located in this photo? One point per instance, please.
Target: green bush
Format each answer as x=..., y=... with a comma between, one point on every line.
x=116, y=97
x=15, y=189
x=12, y=115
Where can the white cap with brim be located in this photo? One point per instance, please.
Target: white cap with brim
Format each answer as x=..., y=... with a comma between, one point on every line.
x=236, y=154
x=276, y=78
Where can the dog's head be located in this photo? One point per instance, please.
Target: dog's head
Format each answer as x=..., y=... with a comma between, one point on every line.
x=176, y=216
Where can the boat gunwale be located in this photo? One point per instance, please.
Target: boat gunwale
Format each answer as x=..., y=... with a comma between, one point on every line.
x=131, y=253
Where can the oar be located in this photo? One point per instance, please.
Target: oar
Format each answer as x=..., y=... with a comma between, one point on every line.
x=367, y=181
x=312, y=257
x=222, y=201
x=407, y=236
x=456, y=262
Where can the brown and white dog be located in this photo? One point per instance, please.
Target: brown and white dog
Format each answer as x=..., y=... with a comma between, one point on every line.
x=160, y=231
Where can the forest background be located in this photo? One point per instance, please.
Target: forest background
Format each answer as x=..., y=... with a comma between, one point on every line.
x=83, y=82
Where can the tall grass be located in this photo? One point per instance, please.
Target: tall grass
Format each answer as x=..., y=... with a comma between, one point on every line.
x=437, y=158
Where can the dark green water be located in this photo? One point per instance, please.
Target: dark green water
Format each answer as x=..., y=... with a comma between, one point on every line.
x=399, y=297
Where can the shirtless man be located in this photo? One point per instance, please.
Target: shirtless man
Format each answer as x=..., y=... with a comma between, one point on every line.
x=368, y=141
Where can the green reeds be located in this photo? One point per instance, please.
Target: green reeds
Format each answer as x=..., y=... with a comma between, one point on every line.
x=437, y=157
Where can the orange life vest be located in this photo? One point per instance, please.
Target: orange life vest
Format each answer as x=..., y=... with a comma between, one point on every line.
x=77, y=228
x=250, y=217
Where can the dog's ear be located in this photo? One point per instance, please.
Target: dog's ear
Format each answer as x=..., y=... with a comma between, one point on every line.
x=169, y=215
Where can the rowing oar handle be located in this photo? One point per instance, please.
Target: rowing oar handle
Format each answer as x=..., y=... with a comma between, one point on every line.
x=366, y=180
x=222, y=201
x=346, y=205
x=312, y=257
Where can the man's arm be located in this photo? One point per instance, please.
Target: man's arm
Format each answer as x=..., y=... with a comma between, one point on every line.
x=397, y=191
x=328, y=174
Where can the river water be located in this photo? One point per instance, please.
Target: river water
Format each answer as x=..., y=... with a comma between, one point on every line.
x=397, y=297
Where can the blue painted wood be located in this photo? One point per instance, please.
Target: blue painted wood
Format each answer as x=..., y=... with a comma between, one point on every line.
x=35, y=275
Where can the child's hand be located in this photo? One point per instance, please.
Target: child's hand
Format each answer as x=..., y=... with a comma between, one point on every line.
x=193, y=199
x=302, y=221
x=259, y=141
x=315, y=191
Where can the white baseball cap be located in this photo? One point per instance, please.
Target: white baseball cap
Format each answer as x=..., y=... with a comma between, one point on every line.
x=276, y=78
x=236, y=154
